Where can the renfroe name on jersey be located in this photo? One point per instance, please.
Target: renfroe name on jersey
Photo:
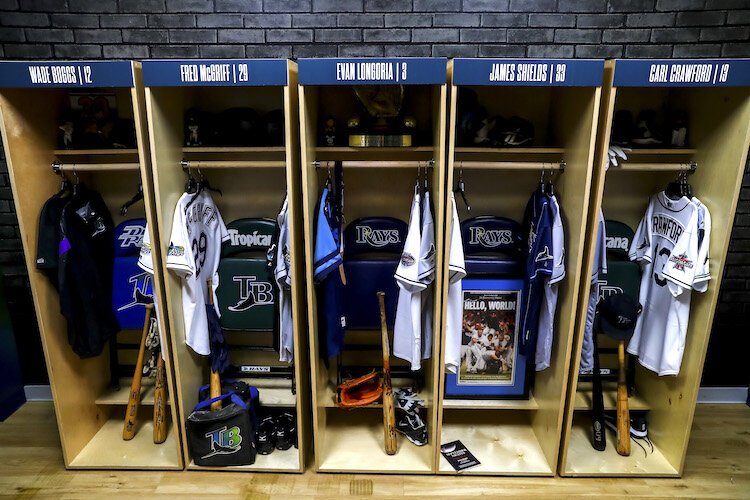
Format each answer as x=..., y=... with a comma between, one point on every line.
x=666, y=227
x=377, y=237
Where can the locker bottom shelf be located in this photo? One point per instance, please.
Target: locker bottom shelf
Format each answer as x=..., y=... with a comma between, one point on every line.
x=505, y=444
x=584, y=460
x=278, y=461
x=354, y=443
x=107, y=450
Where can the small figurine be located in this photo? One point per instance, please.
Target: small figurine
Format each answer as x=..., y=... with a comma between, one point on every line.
x=67, y=137
x=193, y=129
x=329, y=132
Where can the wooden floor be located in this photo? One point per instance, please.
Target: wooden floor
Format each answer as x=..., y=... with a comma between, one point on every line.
x=718, y=466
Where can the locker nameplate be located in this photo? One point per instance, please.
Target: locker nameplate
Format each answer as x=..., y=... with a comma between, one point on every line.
x=370, y=71
x=215, y=73
x=65, y=74
x=529, y=72
x=682, y=73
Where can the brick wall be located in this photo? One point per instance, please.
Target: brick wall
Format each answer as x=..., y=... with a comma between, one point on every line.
x=133, y=29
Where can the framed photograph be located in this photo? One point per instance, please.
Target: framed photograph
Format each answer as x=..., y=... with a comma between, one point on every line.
x=491, y=364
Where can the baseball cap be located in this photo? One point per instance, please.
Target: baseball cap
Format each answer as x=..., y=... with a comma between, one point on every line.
x=617, y=315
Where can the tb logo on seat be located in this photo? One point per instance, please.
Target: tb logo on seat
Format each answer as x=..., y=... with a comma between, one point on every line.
x=252, y=293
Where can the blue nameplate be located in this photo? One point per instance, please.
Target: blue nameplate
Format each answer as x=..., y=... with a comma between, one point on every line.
x=56, y=74
x=682, y=73
x=370, y=71
x=529, y=72
x=215, y=73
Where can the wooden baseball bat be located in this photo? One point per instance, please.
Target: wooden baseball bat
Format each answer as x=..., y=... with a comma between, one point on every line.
x=134, y=399
x=160, y=403
x=389, y=411
x=214, y=380
x=623, y=412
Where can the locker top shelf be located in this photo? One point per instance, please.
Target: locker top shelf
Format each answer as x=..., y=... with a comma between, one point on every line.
x=65, y=74
x=374, y=71
x=529, y=72
x=215, y=72
x=682, y=73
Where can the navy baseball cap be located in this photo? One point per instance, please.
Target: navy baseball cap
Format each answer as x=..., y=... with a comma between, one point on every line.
x=617, y=315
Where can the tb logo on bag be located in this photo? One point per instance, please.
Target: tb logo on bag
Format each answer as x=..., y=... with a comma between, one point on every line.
x=224, y=441
x=252, y=293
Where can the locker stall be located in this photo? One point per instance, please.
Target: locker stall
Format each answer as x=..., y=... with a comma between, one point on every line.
x=85, y=121
x=707, y=143
x=383, y=122
x=234, y=124
x=513, y=124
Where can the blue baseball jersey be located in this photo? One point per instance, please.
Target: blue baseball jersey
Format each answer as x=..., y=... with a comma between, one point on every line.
x=539, y=265
x=331, y=318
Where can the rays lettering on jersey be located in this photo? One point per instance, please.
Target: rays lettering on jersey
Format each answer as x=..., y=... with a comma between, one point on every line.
x=490, y=238
x=250, y=240
x=141, y=283
x=377, y=237
x=666, y=227
x=198, y=213
x=132, y=236
x=252, y=293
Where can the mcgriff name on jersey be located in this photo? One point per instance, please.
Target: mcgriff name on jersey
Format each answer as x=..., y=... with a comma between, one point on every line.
x=249, y=240
x=490, y=238
x=200, y=213
x=377, y=237
x=667, y=227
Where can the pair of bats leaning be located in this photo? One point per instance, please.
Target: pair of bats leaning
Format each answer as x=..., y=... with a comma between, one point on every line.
x=160, y=394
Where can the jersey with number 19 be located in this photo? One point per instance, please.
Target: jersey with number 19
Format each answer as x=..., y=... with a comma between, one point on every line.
x=659, y=337
x=193, y=254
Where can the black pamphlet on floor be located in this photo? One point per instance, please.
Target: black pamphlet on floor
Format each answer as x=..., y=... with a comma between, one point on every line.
x=458, y=456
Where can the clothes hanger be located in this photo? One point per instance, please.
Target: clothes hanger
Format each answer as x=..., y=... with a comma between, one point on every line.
x=461, y=188
x=138, y=196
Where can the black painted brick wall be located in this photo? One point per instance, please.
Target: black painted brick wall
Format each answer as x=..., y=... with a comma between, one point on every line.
x=79, y=29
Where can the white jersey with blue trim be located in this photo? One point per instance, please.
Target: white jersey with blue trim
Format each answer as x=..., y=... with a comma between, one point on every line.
x=546, y=333
x=283, y=276
x=407, y=331
x=455, y=305
x=666, y=245
x=703, y=274
x=427, y=274
x=597, y=277
x=146, y=262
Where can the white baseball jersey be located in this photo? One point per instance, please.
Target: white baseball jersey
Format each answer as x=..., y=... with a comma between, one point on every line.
x=549, y=306
x=146, y=262
x=193, y=254
x=407, y=332
x=283, y=277
x=703, y=275
x=455, y=305
x=427, y=273
x=666, y=245
x=597, y=276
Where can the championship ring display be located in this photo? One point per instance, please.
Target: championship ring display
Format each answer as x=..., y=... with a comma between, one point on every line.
x=382, y=124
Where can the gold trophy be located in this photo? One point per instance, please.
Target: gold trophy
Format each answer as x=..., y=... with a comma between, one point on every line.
x=383, y=126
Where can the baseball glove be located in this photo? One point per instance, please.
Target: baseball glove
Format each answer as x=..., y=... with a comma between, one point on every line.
x=361, y=391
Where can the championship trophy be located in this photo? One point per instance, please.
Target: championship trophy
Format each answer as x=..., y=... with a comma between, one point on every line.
x=382, y=125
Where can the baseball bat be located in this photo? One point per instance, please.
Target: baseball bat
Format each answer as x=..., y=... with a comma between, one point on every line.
x=160, y=403
x=214, y=380
x=134, y=399
x=623, y=413
x=389, y=411
x=597, y=402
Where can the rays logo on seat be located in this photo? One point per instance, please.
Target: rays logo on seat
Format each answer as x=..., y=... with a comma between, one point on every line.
x=224, y=441
x=141, y=283
x=377, y=237
x=250, y=240
x=132, y=236
x=490, y=238
x=252, y=293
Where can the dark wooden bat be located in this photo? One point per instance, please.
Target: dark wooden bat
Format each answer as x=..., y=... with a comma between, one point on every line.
x=597, y=402
x=389, y=411
x=134, y=399
x=214, y=380
x=160, y=402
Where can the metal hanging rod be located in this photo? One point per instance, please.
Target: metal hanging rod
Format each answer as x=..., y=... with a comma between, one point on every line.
x=512, y=165
x=58, y=167
x=688, y=167
x=232, y=164
x=377, y=164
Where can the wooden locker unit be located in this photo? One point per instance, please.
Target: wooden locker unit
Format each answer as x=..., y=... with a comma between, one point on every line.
x=716, y=96
x=254, y=181
x=520, y=437
x=90, y=413
x=379, y=182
